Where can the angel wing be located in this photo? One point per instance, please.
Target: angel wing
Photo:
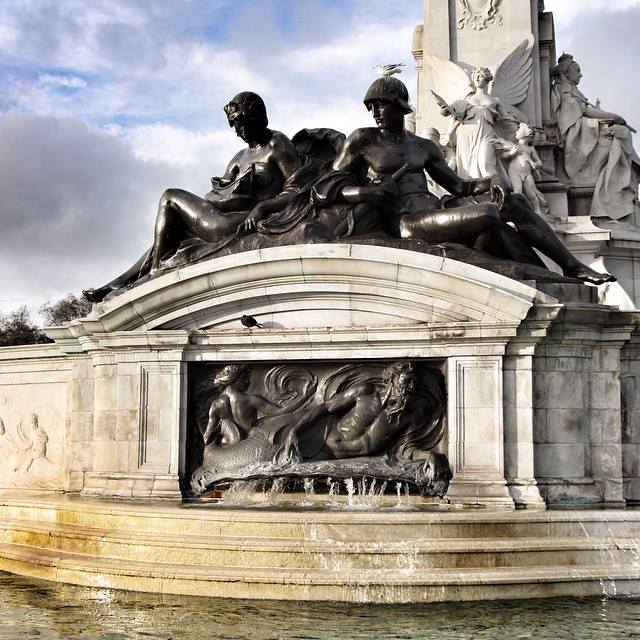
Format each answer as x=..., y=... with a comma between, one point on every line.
x=451, y=81
x=511, y=79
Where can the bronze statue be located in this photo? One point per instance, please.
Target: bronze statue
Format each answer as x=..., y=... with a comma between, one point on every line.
x=271, y=193
x=371, y=420
x=368, y=417
x=260, y=179
x=386, y=166
x=234, y=411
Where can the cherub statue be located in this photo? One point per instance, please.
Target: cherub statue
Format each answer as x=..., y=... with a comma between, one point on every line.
x=487, y=109
x=524, y=164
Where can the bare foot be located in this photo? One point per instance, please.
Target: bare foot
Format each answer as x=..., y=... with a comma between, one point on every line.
x=96, y=295
x=587, y=274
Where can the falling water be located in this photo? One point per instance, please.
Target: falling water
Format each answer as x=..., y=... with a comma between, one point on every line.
x=350, y=487
x=603, y=601
x=359, y=494
x=403, y=496
x=240, y=492
x=334, y=492
x=276, y=491
x=309, y=491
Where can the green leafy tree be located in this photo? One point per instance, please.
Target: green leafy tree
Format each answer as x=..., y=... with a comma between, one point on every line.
x=17, y=327
x=66, y=309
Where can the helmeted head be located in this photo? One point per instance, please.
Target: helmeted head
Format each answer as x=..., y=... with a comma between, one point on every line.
x=388, y=89
x=401, y=375
x=247, y=114
x=399, y=380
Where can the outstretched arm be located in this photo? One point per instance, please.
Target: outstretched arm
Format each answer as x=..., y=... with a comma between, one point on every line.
x=437, y=167
x=593, y=112
x=262, y=406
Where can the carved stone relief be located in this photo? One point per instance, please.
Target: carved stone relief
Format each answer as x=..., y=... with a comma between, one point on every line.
x=479, y=14
x=26, y=455
x=378, y=420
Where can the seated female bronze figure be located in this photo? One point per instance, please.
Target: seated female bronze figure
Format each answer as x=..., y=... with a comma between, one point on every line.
x=384, y=167
x=260, y=179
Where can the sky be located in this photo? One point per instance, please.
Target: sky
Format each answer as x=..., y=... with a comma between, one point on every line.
x=105, y=103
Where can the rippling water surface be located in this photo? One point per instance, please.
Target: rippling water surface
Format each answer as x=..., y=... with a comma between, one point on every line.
x=36, y=609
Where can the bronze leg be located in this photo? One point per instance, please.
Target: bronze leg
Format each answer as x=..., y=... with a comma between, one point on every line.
x=182, y=214
x=450, y=225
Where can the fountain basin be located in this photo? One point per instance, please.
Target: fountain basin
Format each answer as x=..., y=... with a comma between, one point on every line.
x=358, y=556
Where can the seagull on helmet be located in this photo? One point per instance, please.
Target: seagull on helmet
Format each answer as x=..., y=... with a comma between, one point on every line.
x=386, y=70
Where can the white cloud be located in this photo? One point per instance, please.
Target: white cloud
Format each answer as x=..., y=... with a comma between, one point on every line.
x=196, y=155
x=341, y=56
x=565, y=12
x=63, y=81
x=76, y=206
x=79, y=201
x=8, y=37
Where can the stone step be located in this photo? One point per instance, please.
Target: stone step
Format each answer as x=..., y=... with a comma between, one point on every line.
x=352, y=585
x=320, y=554
x=402, y=526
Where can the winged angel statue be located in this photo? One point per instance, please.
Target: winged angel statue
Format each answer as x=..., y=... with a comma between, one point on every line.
x=487, y=109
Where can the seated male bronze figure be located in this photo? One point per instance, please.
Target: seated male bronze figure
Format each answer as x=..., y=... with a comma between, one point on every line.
x=387, y=164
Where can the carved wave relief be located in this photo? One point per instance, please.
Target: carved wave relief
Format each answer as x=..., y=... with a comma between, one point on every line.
x=380, y=421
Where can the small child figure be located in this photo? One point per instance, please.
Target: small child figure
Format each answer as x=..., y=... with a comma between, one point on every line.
x=524, y=164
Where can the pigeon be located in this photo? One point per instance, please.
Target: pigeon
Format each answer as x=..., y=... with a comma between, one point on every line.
x=250, y=322
x=387, y=70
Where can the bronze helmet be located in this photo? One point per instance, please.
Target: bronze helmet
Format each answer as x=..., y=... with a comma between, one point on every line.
x=246, y=106
x=390, y=89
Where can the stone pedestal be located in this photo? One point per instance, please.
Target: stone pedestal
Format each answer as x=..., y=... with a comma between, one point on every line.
x=476, y=430
x=630, y=410
x=578, y=424
x=483, y=34
x=541, y=393
x=319, y=302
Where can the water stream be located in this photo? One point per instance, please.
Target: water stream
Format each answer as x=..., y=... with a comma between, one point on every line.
x=321, y=493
